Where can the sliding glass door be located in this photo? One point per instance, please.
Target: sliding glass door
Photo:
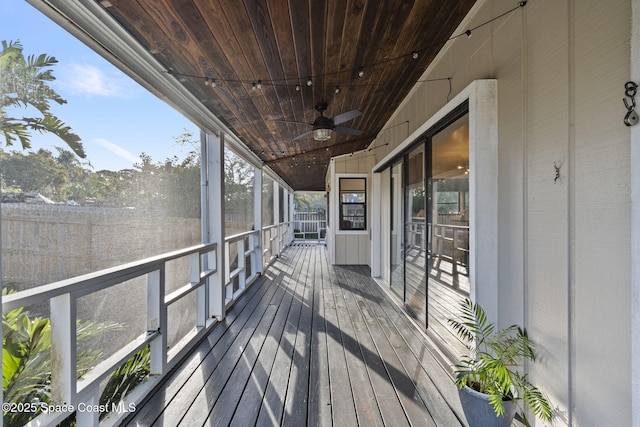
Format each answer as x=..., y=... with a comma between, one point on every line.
x=429, y=253
x=448, y=194
x=397, y=230
x=415, y=233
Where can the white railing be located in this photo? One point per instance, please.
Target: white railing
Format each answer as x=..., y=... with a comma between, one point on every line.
x=242, y=261
x=448, y=241
x=451, y=242
x=274, y=239
x=68, y=393
x=309, y=226
x=416, y=234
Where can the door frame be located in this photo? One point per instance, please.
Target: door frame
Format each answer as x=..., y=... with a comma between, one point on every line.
x=482, y=99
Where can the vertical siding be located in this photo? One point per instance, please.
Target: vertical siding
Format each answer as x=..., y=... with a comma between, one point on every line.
x=564, y=246
x=509, y=71
x=355, y=248
x=546, y=142
x=602, y=214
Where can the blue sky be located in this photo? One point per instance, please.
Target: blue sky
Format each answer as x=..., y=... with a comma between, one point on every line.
x=116, y=118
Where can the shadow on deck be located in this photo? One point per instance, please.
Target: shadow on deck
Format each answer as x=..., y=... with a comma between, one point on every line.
x=308, y=344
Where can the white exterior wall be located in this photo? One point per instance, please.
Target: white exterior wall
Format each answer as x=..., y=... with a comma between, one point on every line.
x=349, y=247
x=564, y=246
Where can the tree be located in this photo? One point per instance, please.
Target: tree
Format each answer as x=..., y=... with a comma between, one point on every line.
x=24, y=83
x=34, y=172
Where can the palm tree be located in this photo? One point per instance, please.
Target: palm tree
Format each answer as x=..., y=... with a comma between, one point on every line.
x=24, y=83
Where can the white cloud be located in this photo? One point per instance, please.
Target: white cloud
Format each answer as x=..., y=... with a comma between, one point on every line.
x=89, y=80
x=117, y=150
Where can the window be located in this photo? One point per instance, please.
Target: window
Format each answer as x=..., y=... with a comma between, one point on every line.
x=353, y=204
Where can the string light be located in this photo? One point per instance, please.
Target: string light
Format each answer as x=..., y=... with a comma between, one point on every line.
x=415, y=54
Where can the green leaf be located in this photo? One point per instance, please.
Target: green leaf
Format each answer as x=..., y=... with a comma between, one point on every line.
x=493, y=365
x=24, y=82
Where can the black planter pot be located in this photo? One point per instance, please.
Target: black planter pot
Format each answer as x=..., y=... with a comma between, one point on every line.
x=480, y=413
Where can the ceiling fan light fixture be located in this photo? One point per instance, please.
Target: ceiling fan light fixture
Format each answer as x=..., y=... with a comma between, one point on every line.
x=322, y=134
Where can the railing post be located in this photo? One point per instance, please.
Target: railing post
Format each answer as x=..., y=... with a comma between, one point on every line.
x=227, y=286
x=242, y=279
x=87, y=417
x=257, y=220
x=195, y=268
x=63, y=349
x=256, y=266
x=157, y=320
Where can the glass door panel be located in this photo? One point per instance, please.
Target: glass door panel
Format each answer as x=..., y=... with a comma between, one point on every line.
x=415, y=235
x=448, y=189
x=397, y=231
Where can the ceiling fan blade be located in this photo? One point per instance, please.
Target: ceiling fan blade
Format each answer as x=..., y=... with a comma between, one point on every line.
x=296, y=123
x=302, y=135
x=345, y=117
x=348, y=131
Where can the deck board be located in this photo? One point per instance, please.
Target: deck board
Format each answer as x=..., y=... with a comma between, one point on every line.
x=308, y=344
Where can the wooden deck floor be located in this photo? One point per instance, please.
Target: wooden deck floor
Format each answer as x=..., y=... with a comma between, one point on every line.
x=308, y=344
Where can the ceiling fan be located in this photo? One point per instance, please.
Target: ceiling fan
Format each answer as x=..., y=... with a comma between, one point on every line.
x=323, y=126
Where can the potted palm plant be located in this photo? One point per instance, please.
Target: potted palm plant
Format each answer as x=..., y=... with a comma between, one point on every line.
x=491, y=385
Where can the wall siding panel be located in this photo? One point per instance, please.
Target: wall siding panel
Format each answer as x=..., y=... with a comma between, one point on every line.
x=564, y=245
x=602, y=214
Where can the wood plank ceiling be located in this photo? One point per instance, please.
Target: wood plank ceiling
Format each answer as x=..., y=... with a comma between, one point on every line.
x=250, y=61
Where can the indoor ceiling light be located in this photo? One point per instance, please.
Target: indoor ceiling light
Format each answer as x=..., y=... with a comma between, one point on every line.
x=322, y=134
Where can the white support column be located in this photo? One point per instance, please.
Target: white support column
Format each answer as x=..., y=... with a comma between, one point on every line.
x=202, y=295
x=257, y=218
x=63, y=350
x=483, y=188
x=291, y=217
x=376, y=226
x=157, y=320
x=276, y=215
x=215, y=208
